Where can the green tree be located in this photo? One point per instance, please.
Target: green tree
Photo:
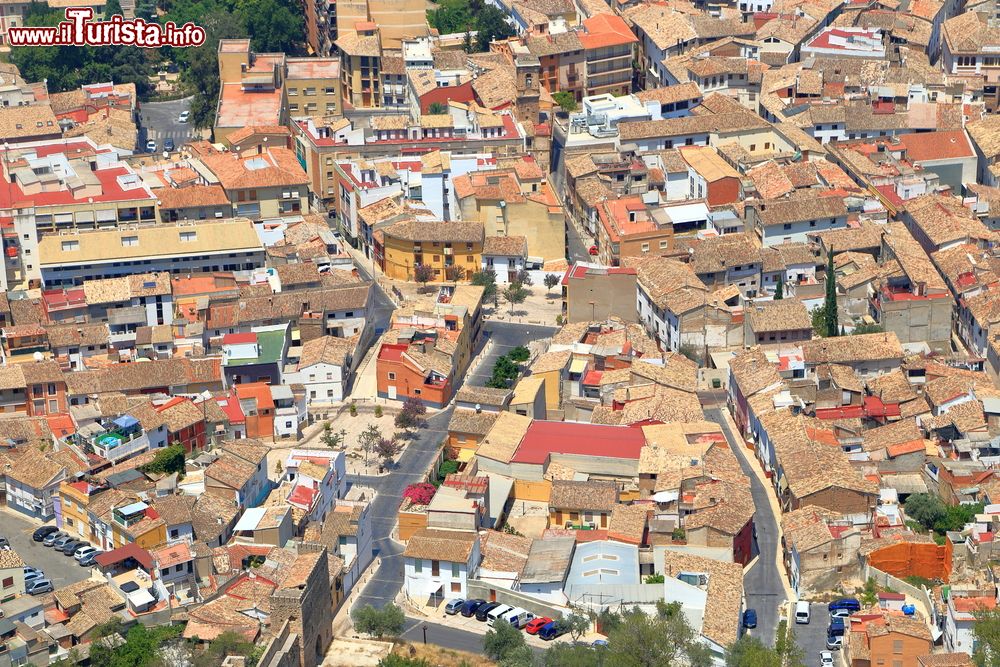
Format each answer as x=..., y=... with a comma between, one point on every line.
x=926, y=509
x=986, y=630
x=869, y=594
x=467, y=44
x=437, y=109
x=139, y=649
x=166, y=461
x=333, y=439
x=514, y=294
x=865, y=328
x=779, y=292
x=502, y=640
x=111, y=8
x=655, y=579
x=830, y=303
x=487, y=279
x=566, y=100
x=385, y=622
x=749, y=651
x=550, y=281
x=504, y=373
x=522, y=656
x=274, y=26
x=577, y=625
x=491, y=25
x=520, y=354
x=650, y=641
x=572, y=655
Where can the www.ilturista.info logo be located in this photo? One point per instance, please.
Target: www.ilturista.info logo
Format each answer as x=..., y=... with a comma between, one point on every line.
x=79, y=30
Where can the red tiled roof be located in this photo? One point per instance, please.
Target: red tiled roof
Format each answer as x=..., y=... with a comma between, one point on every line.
x=123, y=553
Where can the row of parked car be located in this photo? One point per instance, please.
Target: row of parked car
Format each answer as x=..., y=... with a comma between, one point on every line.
x=84, y=552
x=489, y=612
x=839, y=610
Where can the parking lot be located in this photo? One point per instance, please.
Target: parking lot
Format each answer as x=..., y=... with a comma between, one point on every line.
x=60, y=570
x=459, y=622
x=811, y=637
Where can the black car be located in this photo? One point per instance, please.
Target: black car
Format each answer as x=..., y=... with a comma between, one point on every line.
x=43, y=532
x=72, y=546
x=470, y=607
x=485, y=609
x=168, y=145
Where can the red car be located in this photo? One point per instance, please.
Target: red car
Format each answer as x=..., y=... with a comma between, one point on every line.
x=536, y=624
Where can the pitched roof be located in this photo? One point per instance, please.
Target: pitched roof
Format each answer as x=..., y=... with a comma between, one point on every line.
x=435, y=544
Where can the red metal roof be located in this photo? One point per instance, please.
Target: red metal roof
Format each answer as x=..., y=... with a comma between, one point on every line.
x=544, y=437
x=239, y=338
x=121, y=554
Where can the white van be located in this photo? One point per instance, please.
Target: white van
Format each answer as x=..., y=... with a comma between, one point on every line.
x=802, y=612
x=499, y=612
x=518, y=617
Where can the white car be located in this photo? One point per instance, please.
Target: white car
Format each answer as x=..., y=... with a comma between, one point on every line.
x=151, y=146
x=826, y=659
x=183, y=118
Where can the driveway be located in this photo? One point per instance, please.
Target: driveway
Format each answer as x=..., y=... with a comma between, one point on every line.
x=159, y=122
x=505, y=336
x=416, y=458
x=61, y=570
x=762, y=584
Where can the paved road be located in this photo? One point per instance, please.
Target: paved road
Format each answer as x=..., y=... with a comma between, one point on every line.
x=505, y=336
x=449, y=637
x=762, y=584
x=811, y=637
x=61, y=570
x=159, y=122
x=416, y=458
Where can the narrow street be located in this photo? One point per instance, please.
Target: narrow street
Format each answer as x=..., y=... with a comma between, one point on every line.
x=416, y=458
x=762, y=584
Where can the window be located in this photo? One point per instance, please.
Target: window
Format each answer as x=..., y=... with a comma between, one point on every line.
x=645, y=247
x=52, y=389
x=8, y=582
x=187, y=237
x=70, y=245
x=456, y=587
x=288, y=424
x=663, y=245
x=897, y=646
x=174, y=533
x=787, y=226
x=392, y=376
x=128, y=241
x=416, y=391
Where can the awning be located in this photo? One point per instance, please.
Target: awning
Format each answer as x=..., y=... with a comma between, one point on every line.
x=465, y=455
x=578, y=366
x=666, y=496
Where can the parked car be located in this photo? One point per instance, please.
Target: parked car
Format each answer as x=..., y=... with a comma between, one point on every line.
x=185, y=115
x=837, y=627
x=469, y=607
x=4, y=543
x=551, y=630
x=750, y=618
x=70, y=547
x=83, y=552
x=826, y=659
x=33, y=576
x=496, y=613
x=29, y=570
x=536, y=624
x=485, y=609
x=454, y=606
x=43, y=532
x=802, y=612
x=60, y=543
x=844, y=607
x=90, y=559
x=169, y=145
x=38, y=586
x=51, y=538
x=151, y=146
x=598, y=643
x=834, y=642
x=518, y=617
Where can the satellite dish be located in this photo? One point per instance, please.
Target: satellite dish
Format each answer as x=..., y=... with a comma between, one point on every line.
x=38, y=356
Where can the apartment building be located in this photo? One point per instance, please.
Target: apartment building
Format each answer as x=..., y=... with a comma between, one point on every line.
x=610, y=48
x=252, y=89
x=453, y=249
x=61, y=186
x=313, y=86
x=360, y=67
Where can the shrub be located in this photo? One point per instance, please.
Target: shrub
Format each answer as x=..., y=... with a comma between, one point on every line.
x=378, y=412
x=420, y=493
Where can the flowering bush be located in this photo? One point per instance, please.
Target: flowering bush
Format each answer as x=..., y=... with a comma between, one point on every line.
x=420, y=494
